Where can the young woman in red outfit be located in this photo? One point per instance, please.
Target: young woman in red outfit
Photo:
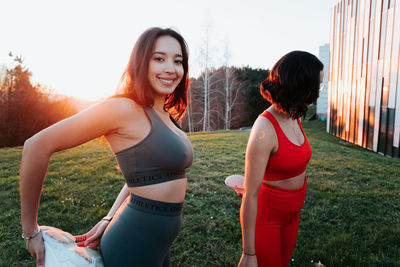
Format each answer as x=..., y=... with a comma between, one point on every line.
x=276, y=159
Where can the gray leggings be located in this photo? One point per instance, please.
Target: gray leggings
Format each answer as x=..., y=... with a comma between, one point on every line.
x=143, y=234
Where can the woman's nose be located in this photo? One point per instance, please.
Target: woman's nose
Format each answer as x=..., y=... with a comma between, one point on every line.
x=169, y=67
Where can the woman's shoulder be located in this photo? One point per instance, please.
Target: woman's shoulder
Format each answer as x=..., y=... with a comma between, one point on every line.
x=263, y=131
x=122, y=106
x=122, y=102
x=263, y=123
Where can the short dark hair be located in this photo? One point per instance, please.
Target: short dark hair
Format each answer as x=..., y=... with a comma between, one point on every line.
x=134, y=81
x=293, y=83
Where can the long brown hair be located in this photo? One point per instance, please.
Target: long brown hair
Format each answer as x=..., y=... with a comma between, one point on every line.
x=135, y=84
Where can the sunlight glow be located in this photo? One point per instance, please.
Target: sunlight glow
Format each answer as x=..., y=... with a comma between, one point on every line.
x=80, y=48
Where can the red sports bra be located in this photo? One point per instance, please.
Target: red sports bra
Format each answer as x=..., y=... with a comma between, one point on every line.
x=290, y=160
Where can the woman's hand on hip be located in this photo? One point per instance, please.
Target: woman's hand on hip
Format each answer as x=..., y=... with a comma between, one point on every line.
x=92, y=238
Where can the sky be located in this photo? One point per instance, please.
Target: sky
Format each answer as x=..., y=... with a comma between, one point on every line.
x=81, y=47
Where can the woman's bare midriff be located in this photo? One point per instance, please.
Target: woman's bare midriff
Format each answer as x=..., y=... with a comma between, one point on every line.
x=291, y=183
x=172, y=191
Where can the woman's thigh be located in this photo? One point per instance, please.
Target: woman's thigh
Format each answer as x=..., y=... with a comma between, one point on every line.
x=268, y=245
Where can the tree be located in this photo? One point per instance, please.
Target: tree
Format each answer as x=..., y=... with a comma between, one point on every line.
x=205, y=56
x=255, y=103
x=232, y=88
x=225, y=98
x=205, y=83
x=232, y=91
x=26, y=108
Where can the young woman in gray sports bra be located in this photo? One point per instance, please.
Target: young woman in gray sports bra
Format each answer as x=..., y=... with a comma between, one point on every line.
x=151, y=150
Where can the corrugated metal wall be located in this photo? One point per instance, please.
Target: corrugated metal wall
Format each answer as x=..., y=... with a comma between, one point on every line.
x=363, y=79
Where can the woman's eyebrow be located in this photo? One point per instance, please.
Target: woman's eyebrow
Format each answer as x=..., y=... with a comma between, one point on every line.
x=163, y=53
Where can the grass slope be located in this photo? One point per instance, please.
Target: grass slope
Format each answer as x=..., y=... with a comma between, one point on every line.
x=351, y=216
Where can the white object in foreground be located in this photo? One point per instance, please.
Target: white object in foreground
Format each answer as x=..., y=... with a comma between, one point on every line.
x=62, y=251
x=236, y=182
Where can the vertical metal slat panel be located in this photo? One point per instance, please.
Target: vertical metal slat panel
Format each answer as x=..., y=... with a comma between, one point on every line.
x=364, y=86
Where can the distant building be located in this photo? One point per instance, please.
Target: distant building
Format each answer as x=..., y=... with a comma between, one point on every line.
x=363, y=82
x=323, y=94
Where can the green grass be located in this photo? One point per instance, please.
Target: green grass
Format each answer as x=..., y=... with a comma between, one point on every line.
x=351, y=216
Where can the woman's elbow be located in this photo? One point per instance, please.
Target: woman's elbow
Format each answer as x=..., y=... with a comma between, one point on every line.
x=35, y=145
x=28, y=146
x=28, y=142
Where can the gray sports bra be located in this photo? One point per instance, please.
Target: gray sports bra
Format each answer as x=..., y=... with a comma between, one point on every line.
x=160, y=157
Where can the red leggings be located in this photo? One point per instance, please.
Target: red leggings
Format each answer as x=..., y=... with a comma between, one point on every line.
x=278, y=215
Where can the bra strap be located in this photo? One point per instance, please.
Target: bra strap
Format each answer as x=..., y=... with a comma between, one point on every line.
x=154, y=119
x=274, y=122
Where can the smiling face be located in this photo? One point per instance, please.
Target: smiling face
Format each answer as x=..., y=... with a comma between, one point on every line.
x=165, y=67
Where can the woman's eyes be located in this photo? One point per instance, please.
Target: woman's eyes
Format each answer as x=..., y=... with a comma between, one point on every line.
x=177, y=61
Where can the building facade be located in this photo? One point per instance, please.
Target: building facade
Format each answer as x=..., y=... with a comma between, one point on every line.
x=323, y=94
x=363, y=80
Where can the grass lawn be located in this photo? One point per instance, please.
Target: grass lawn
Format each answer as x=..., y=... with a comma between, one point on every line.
x=351, y=216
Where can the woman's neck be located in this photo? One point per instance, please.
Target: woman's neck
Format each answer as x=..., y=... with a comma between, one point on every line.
x=280, y=114
x=159, y=104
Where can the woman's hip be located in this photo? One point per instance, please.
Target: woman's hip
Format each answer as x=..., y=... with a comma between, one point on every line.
x=145, y=229
x=281, y=200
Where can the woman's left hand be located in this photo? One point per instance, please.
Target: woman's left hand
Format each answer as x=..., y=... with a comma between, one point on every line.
x=35, y=247
x=92, y=238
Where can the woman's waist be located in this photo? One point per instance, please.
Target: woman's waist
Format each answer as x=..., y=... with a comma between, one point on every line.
x=154, y=206
x=284, y=199
x=171, y=191
x=293, y=183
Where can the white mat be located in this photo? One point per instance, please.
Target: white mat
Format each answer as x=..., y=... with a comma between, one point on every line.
x=62, y=251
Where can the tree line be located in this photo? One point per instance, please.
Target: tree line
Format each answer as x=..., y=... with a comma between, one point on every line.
x=225, y=98
x=25, y=108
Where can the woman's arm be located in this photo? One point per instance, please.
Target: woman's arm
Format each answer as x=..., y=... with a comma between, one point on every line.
x=259, y=147
x=92, y=238
x=96, y=121
x=123, y=194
